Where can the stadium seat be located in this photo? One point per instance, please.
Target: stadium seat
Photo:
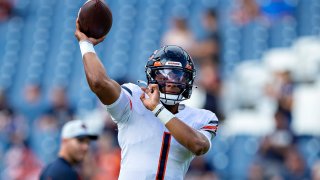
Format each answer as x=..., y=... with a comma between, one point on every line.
x=307, y=49
x=305, y=115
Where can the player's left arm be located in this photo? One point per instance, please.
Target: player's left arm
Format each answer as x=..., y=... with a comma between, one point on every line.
x=197, y=142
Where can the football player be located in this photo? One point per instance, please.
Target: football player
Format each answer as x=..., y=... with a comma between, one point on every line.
x=158, y=136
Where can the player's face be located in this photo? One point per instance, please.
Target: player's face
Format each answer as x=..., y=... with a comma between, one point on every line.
x=171, y=81
x=77, y=148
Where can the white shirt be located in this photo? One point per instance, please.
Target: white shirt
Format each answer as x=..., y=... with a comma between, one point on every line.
x=148, y=150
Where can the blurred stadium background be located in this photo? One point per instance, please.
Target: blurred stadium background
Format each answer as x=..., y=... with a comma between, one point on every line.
x=265, y=87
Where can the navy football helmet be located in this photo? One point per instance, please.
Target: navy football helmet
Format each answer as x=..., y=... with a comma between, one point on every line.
x=171, y=66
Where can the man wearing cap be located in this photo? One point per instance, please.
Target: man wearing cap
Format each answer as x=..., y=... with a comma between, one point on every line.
x=75, y=139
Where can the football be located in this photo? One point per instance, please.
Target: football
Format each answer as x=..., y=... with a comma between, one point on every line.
x=95, y=19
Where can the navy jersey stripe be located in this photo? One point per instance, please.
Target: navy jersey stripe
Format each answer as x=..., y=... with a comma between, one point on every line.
x=212, y=132
x=163, y=156
x=127, y=89
x=213, y=122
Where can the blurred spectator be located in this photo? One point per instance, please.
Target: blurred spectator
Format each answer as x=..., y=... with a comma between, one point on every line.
x=207, y=49
x=4, y=105
x=88, y=168
x=12, y=126
x=6, y=116
x=281, y=90
x=32, y=105
x=200, y=170
x=32, y=93
x=245, y=11
x=179, y=34
x=266, y=11
x=316, y=170
x=256, y=172
x=60, y=108
x=20, y=162
x=275, y=146
x=209, y=79
x=108, y=158
x=43, y=120
x=5, y=9
x=103, y=160
x=44, y=138
x=295, y=167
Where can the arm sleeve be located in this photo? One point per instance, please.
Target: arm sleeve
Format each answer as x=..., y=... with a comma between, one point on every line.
x=208, y=135
x=121, y=109
x=209, y=129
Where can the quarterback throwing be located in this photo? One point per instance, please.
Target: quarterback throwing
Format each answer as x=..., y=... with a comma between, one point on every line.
x=158, y=137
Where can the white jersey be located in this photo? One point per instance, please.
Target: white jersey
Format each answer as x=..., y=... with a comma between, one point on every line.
x=148, y=151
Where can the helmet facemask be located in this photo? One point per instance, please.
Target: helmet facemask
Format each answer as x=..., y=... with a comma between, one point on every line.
x=175, y=84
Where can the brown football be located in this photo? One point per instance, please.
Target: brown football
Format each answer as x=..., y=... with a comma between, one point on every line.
x=95, y=19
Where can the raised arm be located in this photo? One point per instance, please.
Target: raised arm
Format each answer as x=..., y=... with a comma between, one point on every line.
x=106, y=89
x=190, y=138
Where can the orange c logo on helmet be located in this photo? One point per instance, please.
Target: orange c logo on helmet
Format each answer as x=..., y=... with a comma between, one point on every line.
x=157, y=63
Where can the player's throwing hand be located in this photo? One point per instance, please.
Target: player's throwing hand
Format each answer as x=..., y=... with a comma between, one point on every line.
x=82, y=37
